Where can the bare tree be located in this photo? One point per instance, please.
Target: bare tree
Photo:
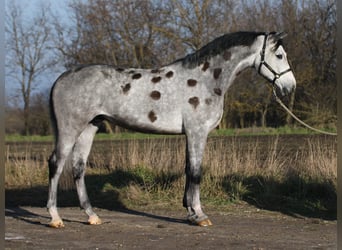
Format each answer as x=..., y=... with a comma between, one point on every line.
x=28, y=52
x=150, y=33
x=142, y=33
x=112, y=32
x=198, y=22
x=39, y=110
x=319, y=22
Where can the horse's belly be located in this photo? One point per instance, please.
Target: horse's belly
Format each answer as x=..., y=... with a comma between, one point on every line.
x=151, y=121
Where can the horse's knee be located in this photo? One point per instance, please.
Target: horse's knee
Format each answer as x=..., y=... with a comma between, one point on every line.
x=52, y=162
x=78, y=169
x=194, y=175
x=196, y=178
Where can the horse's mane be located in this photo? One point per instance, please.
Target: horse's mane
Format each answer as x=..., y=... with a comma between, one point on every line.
x=219, y=45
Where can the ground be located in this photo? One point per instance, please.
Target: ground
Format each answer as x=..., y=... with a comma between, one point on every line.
x=137, y=225
x=241, y=226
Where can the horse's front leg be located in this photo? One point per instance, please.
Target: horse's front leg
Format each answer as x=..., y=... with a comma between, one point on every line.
x=191, y=201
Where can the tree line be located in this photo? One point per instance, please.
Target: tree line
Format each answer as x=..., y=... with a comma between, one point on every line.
x=149, y=34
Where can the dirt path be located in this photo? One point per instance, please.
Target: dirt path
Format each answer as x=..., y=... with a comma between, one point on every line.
x=240, y=227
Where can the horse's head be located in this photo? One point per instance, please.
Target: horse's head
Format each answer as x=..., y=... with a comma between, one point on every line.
x=273, y=65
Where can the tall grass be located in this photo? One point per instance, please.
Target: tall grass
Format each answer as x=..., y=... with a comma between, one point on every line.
x=22, y=169
x=262, y=171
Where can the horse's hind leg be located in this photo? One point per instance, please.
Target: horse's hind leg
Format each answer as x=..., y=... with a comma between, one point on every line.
x=79, y=159
x=56, y=163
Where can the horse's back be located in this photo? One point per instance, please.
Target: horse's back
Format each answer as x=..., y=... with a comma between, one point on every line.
x=128, y=98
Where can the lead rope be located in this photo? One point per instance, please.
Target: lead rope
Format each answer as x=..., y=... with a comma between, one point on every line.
x=296, y=118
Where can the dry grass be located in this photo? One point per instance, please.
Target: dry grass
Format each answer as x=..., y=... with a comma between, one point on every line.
x=254, y=169
x=320, y=161
x=22, y=170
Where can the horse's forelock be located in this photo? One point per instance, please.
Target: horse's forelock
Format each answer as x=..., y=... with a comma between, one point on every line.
x=277, y=39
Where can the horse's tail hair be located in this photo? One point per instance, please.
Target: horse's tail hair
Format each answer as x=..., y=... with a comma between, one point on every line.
x=53, y=114
x=66, y=181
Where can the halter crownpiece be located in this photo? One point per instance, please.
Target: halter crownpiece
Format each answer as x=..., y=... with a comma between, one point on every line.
x=263, y=62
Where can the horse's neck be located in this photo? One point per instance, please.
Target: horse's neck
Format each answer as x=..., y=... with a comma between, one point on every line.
x=241, y=59
x=220, y=71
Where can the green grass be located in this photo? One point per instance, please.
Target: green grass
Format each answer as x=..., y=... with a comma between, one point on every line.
x=133, y=135
x=263, y=131
x=151, y=173
x=28, y=138
x=99, y=137
x=129, y=136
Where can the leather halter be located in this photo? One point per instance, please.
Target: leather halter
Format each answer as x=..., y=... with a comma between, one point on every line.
x=263, y=62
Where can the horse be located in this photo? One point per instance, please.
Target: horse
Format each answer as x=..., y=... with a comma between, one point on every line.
x=183, y=97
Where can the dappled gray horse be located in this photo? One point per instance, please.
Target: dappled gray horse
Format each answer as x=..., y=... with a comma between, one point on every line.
x=184, y=97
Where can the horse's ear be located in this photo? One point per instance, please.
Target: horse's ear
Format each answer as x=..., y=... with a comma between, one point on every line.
x=276, y=37
x=280, y=35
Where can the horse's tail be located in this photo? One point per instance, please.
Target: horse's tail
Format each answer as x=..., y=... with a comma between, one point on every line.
x=66, y=181
x=53, y=114
x=53, y=118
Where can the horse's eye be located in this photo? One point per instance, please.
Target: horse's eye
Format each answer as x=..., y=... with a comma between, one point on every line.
x=279, y=56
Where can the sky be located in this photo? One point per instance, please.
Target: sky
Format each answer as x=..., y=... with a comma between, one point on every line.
x=59, y=7
x=30, y=8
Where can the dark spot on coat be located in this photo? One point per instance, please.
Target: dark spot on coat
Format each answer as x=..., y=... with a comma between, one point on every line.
x=126, y=88
x=208, y=101
x=155, y=95
x=131, y=72
x=194, y=101
x=217, y=73
x=205, y=66
x=227, y=55
x=106, y=74
x=218, y=91
x=169, y=74
x=192, y=82
x=136, y=76
x=152, y=116
x=156, y=79
x=120, y=69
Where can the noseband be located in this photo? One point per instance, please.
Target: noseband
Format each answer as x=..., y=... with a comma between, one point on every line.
x=262, y=62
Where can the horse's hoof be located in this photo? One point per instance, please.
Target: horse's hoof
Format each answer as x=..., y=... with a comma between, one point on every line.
x=94, y=220
x=56, y=224
x=204, y=223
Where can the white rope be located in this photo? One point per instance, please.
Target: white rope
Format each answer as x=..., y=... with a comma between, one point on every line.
x=297, y=119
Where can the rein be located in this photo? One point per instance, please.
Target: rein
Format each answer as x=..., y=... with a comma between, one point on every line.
x=277, y=76
x=296, y=118
x=263, y=62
